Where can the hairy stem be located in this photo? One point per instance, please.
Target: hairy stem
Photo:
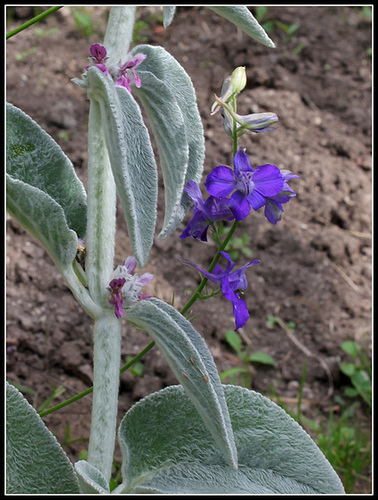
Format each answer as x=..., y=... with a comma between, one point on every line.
x=119, y=32
x=106, y=365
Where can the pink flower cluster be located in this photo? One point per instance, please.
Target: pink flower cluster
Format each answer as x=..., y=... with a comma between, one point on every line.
x=123, y=74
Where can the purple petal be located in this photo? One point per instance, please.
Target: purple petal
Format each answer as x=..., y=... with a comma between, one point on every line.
x=218, y=209
x=238, y=279
x=130, y=264
x=102, y=68
x=215, y=277
x=230, y=262
x=197, y=227
x=124, y=81
x=268, y=180
x=241, y=162
x=273, y=211
x=239, y=205
x=135, y=61
x=137, y=81
x=194, y=192
x=146, y=278
x=256, y=200
x=241, y=313
x=220, y=182
x=97, y=51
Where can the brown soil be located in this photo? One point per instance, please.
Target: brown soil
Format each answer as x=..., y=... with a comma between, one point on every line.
x=316, y=263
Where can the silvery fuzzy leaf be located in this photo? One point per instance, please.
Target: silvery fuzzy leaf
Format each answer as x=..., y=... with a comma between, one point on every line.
x=241, y=16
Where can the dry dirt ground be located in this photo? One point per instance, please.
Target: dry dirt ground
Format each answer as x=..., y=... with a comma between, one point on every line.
x=316, y=263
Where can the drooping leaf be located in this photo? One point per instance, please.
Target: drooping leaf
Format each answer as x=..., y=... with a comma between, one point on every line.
x=44, y=218
x=91, y=479
x=169, y=130
x=131, y=157
x=34, y=158
x=191, y=361
x=167, y=449
x=166, y=69
x=35, y=461
x=168, y=13
x=241, y=16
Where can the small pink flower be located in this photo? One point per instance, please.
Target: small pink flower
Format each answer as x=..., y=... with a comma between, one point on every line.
x=127, y=73
x=126, y=286
x=98, y=52
x=117, y=299
x=98, y=58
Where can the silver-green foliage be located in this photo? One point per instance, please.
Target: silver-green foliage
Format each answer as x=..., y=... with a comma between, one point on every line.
x=35, y=461
x=44, y=193
x=131, y=158
x=192, y=363
x=241, y=16
x=166, y=449
x=168, y=97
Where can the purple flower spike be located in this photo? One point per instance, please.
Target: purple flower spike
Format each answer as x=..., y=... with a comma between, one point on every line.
x=232, y=285
x=126, y=288
x=266, y=185
x=205, y=213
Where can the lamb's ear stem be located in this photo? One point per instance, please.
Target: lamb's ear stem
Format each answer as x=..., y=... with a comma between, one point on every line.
x=106, y=365
x=101, y=234
x=119, y=32
x=99, y=266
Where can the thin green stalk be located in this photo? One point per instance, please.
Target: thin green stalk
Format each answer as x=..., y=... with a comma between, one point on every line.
x=211, y=268
x=33, y=21
x=90, y=389
x=66, y=403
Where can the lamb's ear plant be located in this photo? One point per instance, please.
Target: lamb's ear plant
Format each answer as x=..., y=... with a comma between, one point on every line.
x=199, y=436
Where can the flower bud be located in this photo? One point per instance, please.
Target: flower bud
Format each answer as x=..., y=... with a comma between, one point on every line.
x=254, y=122
x=238, y=80
x=232, y=86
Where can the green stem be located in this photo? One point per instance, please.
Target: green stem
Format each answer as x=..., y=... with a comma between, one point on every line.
x=33, y=21
x=197, y=293
x=66, y=403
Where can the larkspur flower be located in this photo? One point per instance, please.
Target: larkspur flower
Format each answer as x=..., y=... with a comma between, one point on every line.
x=98, y=58
x=232, y=285
x=251, y=188
x=126, y=288
x=126, y=74
x=205, y=213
